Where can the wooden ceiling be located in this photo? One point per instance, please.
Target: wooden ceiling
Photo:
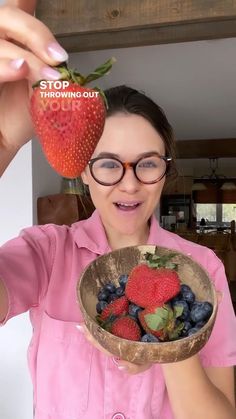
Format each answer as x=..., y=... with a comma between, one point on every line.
x=91, y=24
x=201, y=149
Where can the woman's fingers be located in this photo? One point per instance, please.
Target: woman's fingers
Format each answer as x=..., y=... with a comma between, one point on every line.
x=24, y=29
x=12, y=70
x=219, y=295
x=131, y=368
x=28, y=6
x=17, y=63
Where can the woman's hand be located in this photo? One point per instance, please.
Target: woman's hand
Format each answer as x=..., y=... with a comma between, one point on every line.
x=122, y=365
x=27, y=50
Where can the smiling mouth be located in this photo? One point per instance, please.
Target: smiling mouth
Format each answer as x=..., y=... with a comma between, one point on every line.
x=126, y=206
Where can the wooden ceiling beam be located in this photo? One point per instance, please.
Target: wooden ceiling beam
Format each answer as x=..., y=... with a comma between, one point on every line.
x=91, y=25
x=206, y=149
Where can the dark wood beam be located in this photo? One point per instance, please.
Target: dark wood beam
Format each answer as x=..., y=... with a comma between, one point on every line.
x=205, y=149
x=90, y=24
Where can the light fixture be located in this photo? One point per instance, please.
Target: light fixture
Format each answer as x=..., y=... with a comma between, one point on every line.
x=214, y=178
x=228, y=186
x=198, y=186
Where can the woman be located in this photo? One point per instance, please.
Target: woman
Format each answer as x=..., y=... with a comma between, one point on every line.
x=72, y=376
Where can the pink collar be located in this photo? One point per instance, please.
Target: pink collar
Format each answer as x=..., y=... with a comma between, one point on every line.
x=91, y=235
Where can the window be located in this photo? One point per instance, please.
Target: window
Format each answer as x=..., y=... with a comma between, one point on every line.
x=228, y=212
x=216, y=214
x=207, y=211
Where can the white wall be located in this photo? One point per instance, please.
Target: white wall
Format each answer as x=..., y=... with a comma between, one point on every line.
x=15, y=213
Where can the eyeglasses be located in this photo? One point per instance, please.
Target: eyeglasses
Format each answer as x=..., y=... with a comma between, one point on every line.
x=109, y=171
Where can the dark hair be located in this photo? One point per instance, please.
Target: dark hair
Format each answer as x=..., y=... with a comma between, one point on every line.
x=128, y=100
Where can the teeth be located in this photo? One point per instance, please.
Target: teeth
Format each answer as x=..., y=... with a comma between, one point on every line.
x=126, y=205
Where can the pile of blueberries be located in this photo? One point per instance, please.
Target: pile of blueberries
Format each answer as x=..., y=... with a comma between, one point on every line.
x=195, y=313
x=194, y=316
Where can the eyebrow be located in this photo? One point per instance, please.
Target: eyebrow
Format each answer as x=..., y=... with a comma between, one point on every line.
x=117, y=156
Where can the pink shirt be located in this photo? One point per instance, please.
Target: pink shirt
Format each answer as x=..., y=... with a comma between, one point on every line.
x=71, y=378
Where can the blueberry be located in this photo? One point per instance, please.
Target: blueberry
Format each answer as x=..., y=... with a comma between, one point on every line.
x=185, y=313
x=193, y=330
x=103, y=294
x=201, y=311
x=148, y=337
x=100, y=306
x=200, y=324
x=208, y=308
x=110, y=287
x=134, y=310
x=112, y=297
x=188, y=296
x=123, y=279
x=185, y=288
x=120, y=291
x=133, y=317
x=187, y=326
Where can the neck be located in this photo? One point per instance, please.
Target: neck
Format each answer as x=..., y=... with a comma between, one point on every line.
x=118, y=240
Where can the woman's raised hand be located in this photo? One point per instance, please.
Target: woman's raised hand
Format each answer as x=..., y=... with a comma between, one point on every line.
x=27, y=50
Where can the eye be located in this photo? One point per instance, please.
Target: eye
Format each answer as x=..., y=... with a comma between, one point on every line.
x=148, y=163
x=108, y=164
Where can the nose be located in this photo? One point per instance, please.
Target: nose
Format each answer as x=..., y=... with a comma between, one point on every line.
x=129, y=182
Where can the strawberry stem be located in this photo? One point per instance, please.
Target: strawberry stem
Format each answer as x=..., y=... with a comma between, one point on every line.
x=102, y=94
x=76, y=77
x=100, y=71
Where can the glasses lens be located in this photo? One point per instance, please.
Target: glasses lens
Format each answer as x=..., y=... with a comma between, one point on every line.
x=150, y=169
x=107, y=170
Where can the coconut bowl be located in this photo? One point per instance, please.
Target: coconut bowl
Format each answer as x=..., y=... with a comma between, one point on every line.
x=108, y=268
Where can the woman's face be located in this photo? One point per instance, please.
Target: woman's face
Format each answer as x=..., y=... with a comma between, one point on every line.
x=128, y=137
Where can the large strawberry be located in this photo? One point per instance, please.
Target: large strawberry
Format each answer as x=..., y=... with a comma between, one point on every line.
x=115, y=308
x=147, y=287
x=161, y=322
x=69, y=119
x=126, y=328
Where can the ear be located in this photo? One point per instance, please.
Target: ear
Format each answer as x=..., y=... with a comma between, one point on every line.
x=84, y=177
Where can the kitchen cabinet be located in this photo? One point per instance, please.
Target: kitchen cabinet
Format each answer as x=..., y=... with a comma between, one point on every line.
x=176, y=211
x=63, y=208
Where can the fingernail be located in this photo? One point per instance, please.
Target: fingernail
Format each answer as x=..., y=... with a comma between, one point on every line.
x=50, y=74
x=120, y=367
x=17, y=63
x=80, y=328
x=57, y=52
x=220, y=296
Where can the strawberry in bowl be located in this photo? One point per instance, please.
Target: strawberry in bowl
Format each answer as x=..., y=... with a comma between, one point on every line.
x=159, y=304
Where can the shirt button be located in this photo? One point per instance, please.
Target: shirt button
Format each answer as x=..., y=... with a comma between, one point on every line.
x=118, y=416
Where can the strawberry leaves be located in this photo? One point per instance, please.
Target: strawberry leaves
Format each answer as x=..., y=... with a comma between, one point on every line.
x=164, y=261
x=164, y=319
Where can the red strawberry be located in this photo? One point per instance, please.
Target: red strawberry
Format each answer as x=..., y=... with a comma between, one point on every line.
x=149, y=287
x=117, y=308
x=126, y=328
x=168, y=284
x=161, y=321
x=158, y=332
x=69, y=121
